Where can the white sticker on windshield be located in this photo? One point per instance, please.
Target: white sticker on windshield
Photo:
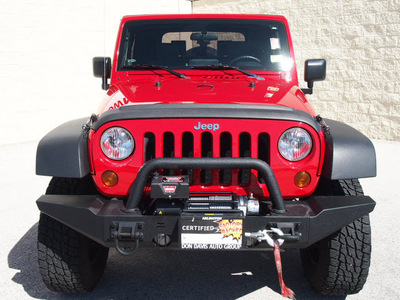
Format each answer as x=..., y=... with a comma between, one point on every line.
x=275, y=44
x=276, y=58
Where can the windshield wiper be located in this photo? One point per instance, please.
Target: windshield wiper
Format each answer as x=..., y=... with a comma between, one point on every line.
x=154, y=67
x=225, y=67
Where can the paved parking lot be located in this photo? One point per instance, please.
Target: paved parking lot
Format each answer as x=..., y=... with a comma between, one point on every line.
x=154, y=274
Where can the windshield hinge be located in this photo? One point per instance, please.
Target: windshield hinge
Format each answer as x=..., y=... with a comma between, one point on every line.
x=325, y=127
x=89, y=123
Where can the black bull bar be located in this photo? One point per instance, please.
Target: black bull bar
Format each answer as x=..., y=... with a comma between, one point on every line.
x=263, y=168
x=97, y=217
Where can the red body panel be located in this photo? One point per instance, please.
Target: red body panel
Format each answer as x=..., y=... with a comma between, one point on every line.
x=207, y=86
x=217, y=87
x=128, y=88
x=284, y=170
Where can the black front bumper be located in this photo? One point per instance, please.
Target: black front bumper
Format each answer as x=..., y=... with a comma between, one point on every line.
x=98, y=218
x=110, y=221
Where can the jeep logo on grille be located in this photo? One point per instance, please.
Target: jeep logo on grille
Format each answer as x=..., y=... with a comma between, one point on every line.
x=210, y=126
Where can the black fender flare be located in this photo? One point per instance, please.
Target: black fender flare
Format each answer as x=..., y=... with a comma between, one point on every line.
x=63, y=152
x=348, y=153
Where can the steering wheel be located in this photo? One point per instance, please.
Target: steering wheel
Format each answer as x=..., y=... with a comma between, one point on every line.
x=245, y=57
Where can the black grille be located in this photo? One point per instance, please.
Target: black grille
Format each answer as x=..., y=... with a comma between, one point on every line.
x=208, y=144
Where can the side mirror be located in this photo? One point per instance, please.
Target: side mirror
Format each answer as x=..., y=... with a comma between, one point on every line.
x=102, y=69
x=314, y=70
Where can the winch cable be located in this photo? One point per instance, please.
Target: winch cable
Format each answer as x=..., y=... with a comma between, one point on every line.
x=264, y=235
x=286, y=292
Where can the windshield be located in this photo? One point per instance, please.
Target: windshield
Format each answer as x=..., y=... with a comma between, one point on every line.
x=189, y=43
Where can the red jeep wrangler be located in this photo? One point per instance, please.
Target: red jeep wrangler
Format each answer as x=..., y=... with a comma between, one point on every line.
x=205, y=141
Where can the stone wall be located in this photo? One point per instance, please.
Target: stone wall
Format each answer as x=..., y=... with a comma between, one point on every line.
x=360, y=41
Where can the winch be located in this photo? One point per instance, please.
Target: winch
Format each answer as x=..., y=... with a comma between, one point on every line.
x=176, y=190
x=229, y=203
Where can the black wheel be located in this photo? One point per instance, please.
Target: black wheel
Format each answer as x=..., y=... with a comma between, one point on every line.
x=338, y=265
x=69, y=262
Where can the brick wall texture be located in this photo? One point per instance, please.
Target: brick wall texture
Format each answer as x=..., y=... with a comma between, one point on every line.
x=360, y=41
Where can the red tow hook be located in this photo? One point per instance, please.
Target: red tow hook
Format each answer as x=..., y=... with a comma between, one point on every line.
x=286, y=292
x=263, y=235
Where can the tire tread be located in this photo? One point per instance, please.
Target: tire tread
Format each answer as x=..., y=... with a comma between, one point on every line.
x=344, y=257
x=62, y=251
x=58, y=257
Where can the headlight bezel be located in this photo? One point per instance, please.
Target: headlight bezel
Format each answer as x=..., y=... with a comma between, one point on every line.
x=128, y=149
x=289, y=153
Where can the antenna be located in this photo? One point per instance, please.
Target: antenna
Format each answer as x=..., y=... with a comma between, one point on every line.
x=104, y=39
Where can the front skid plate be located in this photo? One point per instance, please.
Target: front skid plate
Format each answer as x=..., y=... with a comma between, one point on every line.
x=314, y=218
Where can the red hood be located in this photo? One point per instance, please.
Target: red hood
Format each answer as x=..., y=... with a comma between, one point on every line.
x=236, y=89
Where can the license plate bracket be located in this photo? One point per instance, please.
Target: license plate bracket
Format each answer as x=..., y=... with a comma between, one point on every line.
x=211, y=232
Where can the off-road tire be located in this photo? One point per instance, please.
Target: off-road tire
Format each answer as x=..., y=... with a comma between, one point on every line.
x=338, y=265
x=71, y=186
x=69, y=262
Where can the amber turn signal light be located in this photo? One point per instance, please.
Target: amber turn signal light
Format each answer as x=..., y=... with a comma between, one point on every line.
x=109, y=178
x=302, y=179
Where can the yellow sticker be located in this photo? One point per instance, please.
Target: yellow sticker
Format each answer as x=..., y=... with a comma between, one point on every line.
x=231, y=228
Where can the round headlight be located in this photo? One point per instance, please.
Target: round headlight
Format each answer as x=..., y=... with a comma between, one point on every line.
x=295, y=144
x=117, y=143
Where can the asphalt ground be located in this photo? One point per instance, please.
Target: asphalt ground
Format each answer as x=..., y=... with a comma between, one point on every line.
x=156, y=274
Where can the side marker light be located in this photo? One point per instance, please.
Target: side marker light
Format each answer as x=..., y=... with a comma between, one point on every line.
x=109, y=178
x=302, y=179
